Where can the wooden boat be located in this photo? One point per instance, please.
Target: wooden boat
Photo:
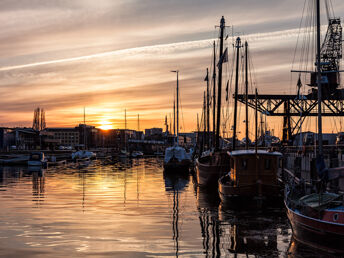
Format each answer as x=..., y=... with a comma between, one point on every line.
x=317, y=219
x=253, y=175
x=211, y=167
x=316, y=212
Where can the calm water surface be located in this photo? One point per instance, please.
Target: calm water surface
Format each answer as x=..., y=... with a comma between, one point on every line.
x=129, y=209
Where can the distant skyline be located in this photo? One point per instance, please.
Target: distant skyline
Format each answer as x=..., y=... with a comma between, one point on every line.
x=110, y=55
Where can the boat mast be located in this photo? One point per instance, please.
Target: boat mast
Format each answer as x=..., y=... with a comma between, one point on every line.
x=256, y=125
x=320, y=138
x=238, y=43
x=214, y=95
x=177, y=72
x=218, y=122
x=177, y=109
x=85, y=128
x=246, y=91
x=208, y=110
x=125, y=129
x=138, y=122
x=205, y=120
x=174, y=119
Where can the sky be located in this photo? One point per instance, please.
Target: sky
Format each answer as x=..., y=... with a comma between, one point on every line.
x=109, y=56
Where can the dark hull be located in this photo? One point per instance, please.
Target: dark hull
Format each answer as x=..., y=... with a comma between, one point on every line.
x=319, y=234
x=249, y=196
x=210, y=169
x=175, y=166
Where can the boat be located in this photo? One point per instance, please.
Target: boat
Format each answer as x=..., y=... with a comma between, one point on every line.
x=316, y=218
x=210, y=167
x=137, y=154
x=83, y=154
x=315, y=210
x=37, y=159
x=124, y=153
x=254, y=176
x=176, y=159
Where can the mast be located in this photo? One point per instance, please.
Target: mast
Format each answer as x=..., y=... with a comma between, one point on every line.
x=125, y=129
x=205, y=119
x=170, y=123
x=238, y=43
x=214, y=94
x=320, y=138
x=198, y=131
x=177, y=72
x=138, y=122
x=177, y=109
x=174, y=118
x=246, y=92
x=208, y=110
x=256, y=120
x=85, y=129
x=218, y=122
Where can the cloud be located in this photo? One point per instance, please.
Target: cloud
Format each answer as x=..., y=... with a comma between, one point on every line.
x=109, y=55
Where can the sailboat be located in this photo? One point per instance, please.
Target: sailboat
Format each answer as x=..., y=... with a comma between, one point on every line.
x=137, y=153
x=254, y=175
x=315, y=212
x=124, y=152
x=176, y=158
x=210, y=167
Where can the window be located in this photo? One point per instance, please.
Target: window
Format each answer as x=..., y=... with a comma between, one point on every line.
x=267, y=164
x=244, y=163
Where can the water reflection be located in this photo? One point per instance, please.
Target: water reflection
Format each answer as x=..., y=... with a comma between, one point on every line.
x=38, y=185
x=297, y=249
x=127, y=208
x=207, y=205
x=175, y=183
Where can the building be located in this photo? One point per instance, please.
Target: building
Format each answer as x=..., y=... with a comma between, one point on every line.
x=153, y=132
x=68, y=136
x=7, y=138
x=90, y=136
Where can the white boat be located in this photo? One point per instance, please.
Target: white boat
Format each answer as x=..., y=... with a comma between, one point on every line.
x=83, y=154
x=37, y=159
x=137, y=154
x=176, y=158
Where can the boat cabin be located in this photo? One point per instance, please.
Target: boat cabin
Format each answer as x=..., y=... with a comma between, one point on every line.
x=247, y=167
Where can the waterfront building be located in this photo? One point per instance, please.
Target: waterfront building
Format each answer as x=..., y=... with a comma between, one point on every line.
x=62, y=136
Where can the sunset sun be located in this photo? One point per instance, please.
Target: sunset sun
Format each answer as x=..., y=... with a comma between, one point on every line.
x=105, y=125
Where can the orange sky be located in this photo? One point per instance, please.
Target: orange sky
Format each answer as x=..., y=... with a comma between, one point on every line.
x=116, y=55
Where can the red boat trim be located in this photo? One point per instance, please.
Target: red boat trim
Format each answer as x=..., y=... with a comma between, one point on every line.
x=310, y=218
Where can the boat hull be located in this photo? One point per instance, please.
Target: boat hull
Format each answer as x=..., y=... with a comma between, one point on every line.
x=259, y=194
x=175, y=166
x=210, y=169
x=319, y=234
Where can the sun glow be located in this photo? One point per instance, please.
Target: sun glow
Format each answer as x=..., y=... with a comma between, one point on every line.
x=105, y=125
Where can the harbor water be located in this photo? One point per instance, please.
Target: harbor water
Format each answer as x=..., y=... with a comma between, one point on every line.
x=130, y=209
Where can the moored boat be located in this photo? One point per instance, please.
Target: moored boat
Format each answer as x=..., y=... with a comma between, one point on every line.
x=137, y=154
x=37, y=159
x=317, y=219
x=314, y=209
x=176, y=159
x=253, y=176
x=211, y=167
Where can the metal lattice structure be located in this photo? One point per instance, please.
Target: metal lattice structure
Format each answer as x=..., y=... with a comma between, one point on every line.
x=295, y=108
